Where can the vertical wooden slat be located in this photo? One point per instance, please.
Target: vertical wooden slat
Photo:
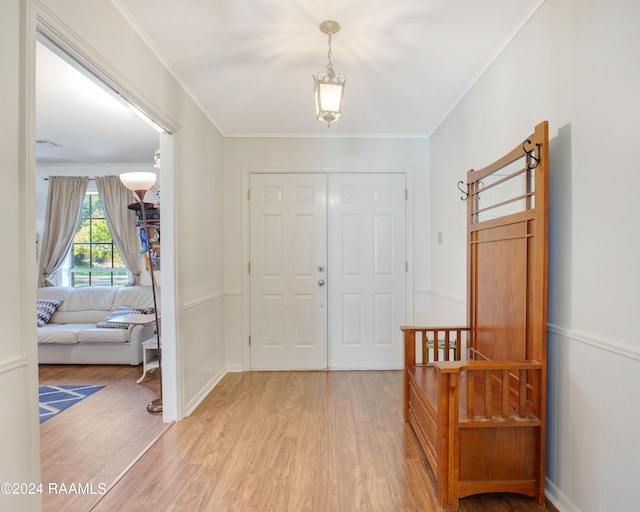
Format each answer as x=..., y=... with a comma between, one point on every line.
x=436, y=355
x=454, y=443
x=425, y=348
x=523, y=393
x=487, y=394
x=444, y=396
x=471, y=409
x=447, y=345
x=409, y=361
x=505, y=393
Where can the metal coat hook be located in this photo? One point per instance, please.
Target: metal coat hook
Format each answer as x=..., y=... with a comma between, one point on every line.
x=465, y=193
x=529, y=153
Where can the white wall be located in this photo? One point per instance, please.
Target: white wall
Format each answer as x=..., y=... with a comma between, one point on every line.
x=244, y=155
x=199, y=257
x=19, y=430
x=575, y=64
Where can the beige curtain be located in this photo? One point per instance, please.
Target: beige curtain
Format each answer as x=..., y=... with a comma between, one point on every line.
x=115, y=199
x=66, y=194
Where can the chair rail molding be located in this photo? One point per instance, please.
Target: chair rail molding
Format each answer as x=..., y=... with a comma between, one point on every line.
x=11, y=364
x=204, y=300
x=596, y=341
x=442, y=295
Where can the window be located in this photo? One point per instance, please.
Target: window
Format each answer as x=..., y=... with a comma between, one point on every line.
x=94, y=258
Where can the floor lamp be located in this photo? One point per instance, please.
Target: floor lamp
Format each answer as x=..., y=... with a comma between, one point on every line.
x=139, y=183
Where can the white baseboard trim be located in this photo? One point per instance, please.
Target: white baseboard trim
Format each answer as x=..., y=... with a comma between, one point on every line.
x=595, y=341
x=558, y=498
x=234, y=368
x=206, y=389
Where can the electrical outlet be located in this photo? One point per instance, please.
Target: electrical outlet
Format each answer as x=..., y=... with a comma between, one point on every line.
x=439, y=237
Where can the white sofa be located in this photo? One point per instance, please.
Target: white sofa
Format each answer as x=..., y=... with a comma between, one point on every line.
x=72, y=337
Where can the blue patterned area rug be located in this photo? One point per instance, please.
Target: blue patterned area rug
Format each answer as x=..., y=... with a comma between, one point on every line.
x=55, y=399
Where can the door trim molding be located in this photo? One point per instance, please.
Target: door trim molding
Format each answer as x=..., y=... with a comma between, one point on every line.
x=246, y=172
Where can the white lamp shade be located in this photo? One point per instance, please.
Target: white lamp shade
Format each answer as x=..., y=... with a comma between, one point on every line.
x=138, y=180
x=329, y=91
x=330, y=97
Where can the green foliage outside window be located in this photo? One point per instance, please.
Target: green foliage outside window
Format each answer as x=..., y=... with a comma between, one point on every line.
x=93, y=248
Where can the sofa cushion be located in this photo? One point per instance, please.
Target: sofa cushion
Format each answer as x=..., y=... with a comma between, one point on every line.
x=72, y=334
x=99, y=298
x=45, y=308
x=56, y=292
x=106, y=323
x=90, y=316
x=81, y=305
x=97, y=335
x=66, y=334
x=141, y=296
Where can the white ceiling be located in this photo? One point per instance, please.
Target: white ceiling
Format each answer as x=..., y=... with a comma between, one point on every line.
x=249, y=64
x=78, y=121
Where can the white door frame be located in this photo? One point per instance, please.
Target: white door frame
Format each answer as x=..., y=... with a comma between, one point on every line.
x=246, y=289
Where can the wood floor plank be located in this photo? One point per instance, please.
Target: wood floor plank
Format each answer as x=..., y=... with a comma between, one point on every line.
x=293, y=441
x=95, y=441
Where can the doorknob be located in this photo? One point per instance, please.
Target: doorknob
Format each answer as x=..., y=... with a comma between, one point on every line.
x=320, y=282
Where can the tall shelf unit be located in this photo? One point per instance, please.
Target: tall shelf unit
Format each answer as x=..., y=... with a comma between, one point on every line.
x=152, y=238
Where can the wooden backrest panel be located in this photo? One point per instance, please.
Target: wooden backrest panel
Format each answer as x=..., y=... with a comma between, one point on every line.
x=500, y=280
x=507, y=253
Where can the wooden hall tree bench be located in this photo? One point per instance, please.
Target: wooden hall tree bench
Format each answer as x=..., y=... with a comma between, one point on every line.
x=479, y=407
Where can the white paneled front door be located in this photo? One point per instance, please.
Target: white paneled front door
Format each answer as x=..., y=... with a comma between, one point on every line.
x=328, y=281
x=367, y=270
x=288, y=246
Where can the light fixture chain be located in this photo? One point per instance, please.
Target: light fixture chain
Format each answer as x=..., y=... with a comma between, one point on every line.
x=329, y=54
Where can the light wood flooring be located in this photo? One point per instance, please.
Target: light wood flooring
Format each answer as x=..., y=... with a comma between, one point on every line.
x=292, y=441
x=96, y=440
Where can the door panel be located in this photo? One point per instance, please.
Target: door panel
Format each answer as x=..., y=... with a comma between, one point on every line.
x=367, y=270
x=288, y=243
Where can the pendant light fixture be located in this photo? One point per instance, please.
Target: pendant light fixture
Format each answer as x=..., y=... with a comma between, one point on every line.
x=329, y=87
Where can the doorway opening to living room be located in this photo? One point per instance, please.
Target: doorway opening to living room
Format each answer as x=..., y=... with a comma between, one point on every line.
x=84, y=128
